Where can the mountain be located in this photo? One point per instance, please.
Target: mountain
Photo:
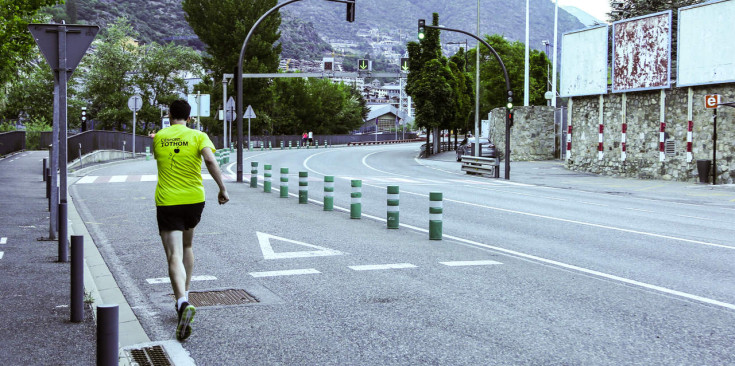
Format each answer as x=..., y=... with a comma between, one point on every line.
x=583, y=16
x=307, y=24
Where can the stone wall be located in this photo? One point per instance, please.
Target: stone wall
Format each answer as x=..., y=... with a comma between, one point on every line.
x=532, y=135
x=643, y=117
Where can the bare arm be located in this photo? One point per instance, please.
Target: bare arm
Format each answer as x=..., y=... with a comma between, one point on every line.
x=211, y=162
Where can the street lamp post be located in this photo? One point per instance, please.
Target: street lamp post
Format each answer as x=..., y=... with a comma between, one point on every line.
x=238, y=71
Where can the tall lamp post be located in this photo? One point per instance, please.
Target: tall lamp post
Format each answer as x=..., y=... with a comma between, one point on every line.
x=238, y=71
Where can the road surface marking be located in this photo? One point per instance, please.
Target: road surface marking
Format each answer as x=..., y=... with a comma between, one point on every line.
x=149, y=178
x=289, y=272
x=154, y=281
x=118, y=178
x=1, y=255
x=3, y=240
x=268, y=252
x=87, y=179
x=375, y=267
x=470, y=263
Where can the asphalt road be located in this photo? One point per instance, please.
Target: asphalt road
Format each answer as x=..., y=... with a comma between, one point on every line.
x=552, y=267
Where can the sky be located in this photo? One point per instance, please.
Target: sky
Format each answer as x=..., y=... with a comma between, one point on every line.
x=596, y=8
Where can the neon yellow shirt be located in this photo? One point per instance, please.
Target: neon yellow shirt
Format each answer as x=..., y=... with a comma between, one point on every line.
x=178, y=153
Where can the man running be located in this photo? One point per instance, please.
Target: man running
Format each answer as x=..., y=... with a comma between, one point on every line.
x=178, y=151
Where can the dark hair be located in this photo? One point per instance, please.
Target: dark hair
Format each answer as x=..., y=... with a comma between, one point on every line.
x=179, y=109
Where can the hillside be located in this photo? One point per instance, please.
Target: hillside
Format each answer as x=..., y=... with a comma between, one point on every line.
x=308, y=23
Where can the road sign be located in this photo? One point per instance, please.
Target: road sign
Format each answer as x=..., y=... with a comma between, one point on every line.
x=363, y=64
x=249, y=113
x=328, y=63
x=78, y=39
x=711, y=101
x=200, y=109
x=404, y=64
x=135, y=103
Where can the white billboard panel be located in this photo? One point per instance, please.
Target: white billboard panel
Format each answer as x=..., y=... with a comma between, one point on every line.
x=642, y=53
x=706, y=50
x=584, y=62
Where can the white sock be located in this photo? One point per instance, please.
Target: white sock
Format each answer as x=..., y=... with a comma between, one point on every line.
x=180, y=301
x=187, y=294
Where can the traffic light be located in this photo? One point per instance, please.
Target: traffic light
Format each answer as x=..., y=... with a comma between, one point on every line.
x=351, y=11
x=510, y=99
x=422, y=28
x=510, y=117
x=84, y=119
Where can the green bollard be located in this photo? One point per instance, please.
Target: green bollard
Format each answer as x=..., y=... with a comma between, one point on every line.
x=328, y=193
x=281, y=145
x=303, y=187
x=218, y=156
x=284, y=182
x=270, y=146
x=316, y=143
x=267, y=178
x=325, y=144
x=289, y=144
x=436, y=210
x=393, y=214
x=356, y=199
x=254, y=174
x=298, y=145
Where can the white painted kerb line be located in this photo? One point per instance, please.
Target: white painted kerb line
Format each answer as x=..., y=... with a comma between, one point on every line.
x=289, y=272
x=154, y=281
x=375, y=267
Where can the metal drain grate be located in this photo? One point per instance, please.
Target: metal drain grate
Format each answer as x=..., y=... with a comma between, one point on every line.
x=221, y=297
x=150, y=356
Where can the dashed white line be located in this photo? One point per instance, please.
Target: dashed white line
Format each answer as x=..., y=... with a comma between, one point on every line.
x=3, y=240
x=87, y=179
x=289, y=272
x=154, y=281
x=118, y=179
x=470, y=263
x=1, y=255
x=376, y=267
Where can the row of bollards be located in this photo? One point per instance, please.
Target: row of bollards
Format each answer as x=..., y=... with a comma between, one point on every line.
x=393, y=212
x=107, y=315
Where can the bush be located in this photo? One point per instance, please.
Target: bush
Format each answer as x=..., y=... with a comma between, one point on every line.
x=34, y=128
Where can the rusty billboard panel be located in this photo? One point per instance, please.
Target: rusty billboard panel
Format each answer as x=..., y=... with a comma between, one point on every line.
x=642, y=53
x=584, y=62
x=706, y=50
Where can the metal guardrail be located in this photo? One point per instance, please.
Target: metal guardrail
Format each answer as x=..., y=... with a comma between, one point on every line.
x=12, y=141
x=382, y=142
x=481, y=166
x=90, y=141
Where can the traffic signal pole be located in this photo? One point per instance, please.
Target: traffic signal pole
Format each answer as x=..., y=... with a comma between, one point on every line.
x=422, y=24
x=239, y=71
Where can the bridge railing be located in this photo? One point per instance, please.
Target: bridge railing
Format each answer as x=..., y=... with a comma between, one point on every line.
x=12, y=141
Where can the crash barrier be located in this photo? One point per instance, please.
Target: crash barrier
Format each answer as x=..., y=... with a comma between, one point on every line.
x=96, y=140
x=385, y=142
x=12, y=141
x=481, y=166
x=436, y=208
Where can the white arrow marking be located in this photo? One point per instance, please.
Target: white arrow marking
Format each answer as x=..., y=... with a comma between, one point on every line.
x=268, y=253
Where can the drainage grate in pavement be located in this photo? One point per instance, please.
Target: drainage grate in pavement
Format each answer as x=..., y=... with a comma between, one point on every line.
x=150, y=356
x=221, y=297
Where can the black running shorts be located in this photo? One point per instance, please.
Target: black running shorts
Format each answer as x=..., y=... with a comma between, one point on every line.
x=179, y=217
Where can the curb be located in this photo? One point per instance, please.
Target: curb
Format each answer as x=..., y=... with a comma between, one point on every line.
x=98, y=281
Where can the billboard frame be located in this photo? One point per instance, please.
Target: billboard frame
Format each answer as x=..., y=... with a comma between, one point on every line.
x=678, y=46
x=668, y=71
x=606, y=56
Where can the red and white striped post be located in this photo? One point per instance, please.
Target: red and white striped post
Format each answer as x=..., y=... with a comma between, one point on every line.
x=569, y=129
x=690, y=127
x=600, y=147
x=661, y=142
x=623, y=153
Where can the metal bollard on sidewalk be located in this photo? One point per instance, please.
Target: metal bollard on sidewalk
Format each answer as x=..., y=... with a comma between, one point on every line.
x=253, y=174
x=356, y=199
x=328, y=192
x=436, y=209
x=43, y=172
x=77, y=278
x=284, y=182
x=393, y=209
x=267, y=178
x=108, y=334
x=303, y=187
x=63, y=233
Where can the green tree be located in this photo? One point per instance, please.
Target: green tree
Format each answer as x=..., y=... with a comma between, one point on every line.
x=159, y=78
x=223, y=25
x=464, y=92
x=431, y=83
x=16, y=43
x=107, y=83
x=32, y=95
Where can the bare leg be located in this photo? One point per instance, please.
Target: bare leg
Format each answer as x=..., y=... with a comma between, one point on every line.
x=173, y=244
x=188, y=256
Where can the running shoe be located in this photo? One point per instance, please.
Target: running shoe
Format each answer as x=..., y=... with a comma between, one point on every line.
x=186, y=317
